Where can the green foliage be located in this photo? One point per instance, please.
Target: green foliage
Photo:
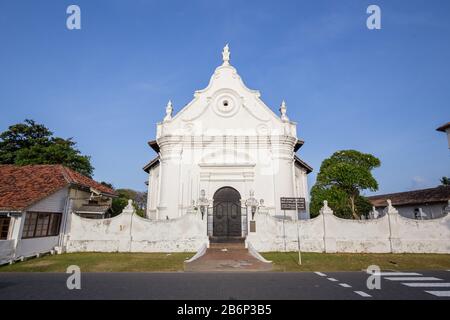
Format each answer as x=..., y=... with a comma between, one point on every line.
x=341, y=179
x=445, y=181
x=107, y=184
x=139, y=201
x=31, y=143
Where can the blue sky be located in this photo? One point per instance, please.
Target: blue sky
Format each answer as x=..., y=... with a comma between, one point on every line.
x=106, y=85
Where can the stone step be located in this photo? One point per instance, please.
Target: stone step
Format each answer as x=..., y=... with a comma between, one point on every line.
x=227, y=257
x=228, y=246
x=213, y=239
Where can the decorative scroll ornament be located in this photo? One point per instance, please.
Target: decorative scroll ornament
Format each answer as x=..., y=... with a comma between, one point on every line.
x=283, y=111
x=252, y=202
x=203, y=203
x=226, y=55
x=169, y=110
x=374, y=214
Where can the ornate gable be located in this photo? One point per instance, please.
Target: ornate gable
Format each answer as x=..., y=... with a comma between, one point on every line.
x=226, y=107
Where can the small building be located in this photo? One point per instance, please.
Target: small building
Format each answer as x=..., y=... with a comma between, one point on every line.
x=423, y=204
x=35, y=202
x=446, y=129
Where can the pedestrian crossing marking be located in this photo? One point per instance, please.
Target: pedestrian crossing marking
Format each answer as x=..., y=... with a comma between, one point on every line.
x=383, y=274
x=332, y=279
x=439, y=293
x=363, y=294
x=427, y=284
x=413, y=279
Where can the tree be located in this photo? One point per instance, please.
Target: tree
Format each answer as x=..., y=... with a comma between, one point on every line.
x=139, y=201
x=341, y=179
x=31, y=143
x=107, y=184
x=445, y=181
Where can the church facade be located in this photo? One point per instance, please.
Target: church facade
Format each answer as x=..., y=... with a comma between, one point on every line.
x=225, y=150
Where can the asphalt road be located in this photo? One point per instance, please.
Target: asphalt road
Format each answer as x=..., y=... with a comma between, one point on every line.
x=224, y=286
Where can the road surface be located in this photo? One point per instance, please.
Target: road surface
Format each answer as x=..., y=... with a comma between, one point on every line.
x=225, y=286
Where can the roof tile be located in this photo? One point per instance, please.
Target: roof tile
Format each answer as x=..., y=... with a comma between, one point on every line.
x=22, y=186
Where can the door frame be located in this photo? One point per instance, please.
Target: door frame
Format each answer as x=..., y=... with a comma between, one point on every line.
x=236, y=200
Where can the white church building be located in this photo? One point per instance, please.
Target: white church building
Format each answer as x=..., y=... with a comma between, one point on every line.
x=223, y=163
x=223, y=149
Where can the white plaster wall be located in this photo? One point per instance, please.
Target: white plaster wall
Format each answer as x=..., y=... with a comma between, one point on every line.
x=274, y=234
x=131, y=233
x=344, y=235
x=33, y=246
x=187, y=233
x=6, y=251
x=328, y=233
x=432, y=211
x=53, y=203
x=301, y=189
x=410, y=235
x=325, y=233
x=153, y=187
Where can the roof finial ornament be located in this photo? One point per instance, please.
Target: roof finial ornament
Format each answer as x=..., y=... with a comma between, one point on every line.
x=226, y=55
x=283, y=110
x=169, y=110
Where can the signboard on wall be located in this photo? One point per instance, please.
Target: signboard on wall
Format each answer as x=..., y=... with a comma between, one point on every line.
x=292, y=203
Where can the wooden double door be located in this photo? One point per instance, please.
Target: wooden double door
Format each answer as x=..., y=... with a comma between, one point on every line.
x=227, y=213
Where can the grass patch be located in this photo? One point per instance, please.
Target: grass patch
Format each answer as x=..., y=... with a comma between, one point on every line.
x=288, y=261
x=103, y=262
x=282, y=261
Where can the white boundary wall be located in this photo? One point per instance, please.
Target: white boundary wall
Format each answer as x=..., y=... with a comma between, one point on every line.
x=128, y=232
x=325, y=233
x=6, y=251
x=328, y=233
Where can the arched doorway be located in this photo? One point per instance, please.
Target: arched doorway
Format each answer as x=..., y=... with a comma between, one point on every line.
x=227, y=213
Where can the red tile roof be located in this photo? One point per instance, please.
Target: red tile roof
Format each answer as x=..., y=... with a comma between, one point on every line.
x=431, y=195
x=22, y=186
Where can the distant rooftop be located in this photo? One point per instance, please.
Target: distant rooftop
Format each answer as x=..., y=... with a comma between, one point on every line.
x=22, y=186
x=431, y=195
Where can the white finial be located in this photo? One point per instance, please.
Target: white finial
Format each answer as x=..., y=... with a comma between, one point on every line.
x=374, y=214
x=283, y=110
x=169, y=110
x=447, y=208
x=326, y=210
x=129, y=205
x=226, y=55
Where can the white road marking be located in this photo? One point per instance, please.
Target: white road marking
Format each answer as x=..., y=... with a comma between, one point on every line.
x=439, y=293
x=320, y=274
x=345, y=285
x=427, y=284
x=413, y=279
x=362, y=294
x=383, y=274
x=332, y=279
